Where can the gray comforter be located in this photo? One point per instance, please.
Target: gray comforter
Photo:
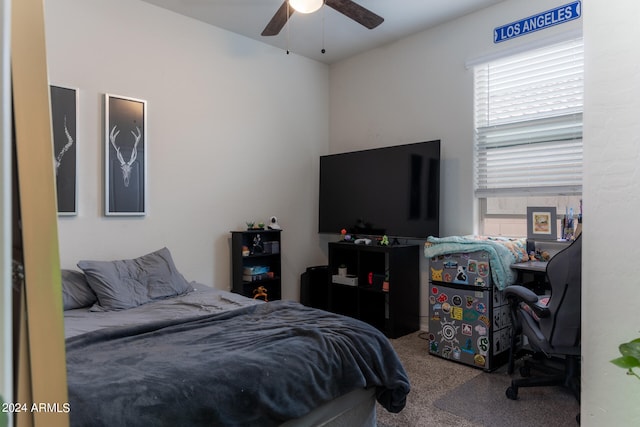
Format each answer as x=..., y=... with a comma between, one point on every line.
x=254, y=366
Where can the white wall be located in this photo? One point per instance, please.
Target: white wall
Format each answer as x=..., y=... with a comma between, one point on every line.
x=611, y=274
x=235, y=129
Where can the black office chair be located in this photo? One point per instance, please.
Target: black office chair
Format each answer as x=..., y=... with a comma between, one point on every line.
x=552, y=328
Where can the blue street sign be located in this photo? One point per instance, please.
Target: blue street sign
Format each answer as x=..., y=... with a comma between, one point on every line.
x=537, y=22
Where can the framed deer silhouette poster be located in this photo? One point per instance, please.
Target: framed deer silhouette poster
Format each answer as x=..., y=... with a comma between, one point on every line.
x=64, y=115
x=125, y=156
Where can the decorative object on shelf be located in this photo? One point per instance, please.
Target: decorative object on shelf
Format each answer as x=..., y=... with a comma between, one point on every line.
x=256, y=247
x=64, y=112
x=385, y=281
x=251, y=226
x=362, y=241
x=256, y=273
x=539, y=256
x=578, y=229
x=342, y=270
x=384, y=241
x=273, y=223
x=125, y=155
x=345, y=236
x=256, y=269
x=542, y=223
x=567, y=224
x=349, y=279
x=246, y=251
x=271, y=247
x=260, y=293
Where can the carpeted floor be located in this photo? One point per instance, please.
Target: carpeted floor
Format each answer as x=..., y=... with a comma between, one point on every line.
x=445, y=393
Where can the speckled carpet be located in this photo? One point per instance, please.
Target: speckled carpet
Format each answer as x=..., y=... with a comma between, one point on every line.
x=445, y=393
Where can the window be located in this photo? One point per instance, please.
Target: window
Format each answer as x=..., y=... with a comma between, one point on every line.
x=528, y=131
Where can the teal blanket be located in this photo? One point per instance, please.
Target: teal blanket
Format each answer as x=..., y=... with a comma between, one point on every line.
x=502, y=253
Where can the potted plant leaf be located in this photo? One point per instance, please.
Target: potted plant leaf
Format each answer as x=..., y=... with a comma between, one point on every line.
x=4, y=416
x=630, y=358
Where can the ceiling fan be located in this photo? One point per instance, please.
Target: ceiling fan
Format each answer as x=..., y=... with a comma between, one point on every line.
x=348, y=8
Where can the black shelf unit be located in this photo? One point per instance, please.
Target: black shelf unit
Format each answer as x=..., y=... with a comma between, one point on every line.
x=395, y=312
x=266, y=255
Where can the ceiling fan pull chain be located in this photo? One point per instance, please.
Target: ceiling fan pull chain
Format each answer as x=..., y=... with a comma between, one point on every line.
x=323, y=49
x=288, y=25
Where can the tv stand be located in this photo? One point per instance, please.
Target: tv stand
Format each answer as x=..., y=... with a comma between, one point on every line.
x=362, y=295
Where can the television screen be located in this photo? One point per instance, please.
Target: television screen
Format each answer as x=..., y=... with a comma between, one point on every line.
x=393, y=191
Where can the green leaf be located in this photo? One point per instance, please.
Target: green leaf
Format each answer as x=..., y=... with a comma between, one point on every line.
x=631, y=349
x=4, y=417
x=626, y=362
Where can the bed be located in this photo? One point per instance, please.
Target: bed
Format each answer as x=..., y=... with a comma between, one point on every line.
x=146, y=347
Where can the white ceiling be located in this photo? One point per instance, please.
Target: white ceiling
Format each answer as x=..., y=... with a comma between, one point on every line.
x=341, y=37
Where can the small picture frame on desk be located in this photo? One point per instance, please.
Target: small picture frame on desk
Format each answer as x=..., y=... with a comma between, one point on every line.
x=542, y=223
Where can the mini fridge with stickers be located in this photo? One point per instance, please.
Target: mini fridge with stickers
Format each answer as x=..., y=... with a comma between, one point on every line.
x=469, y=319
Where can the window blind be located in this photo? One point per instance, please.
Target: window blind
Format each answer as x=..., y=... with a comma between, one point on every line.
x=528, y=122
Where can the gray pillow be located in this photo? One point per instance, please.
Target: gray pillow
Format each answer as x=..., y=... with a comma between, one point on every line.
x=129, y=283
x=76, y=292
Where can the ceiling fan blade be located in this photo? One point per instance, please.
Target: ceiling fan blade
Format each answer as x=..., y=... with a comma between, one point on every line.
x=356, y=12
x=278, y=21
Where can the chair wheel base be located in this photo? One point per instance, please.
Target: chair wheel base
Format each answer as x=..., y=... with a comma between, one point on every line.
x=512, y=393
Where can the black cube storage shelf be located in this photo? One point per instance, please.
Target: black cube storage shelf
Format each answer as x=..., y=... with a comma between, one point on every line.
x=395, y=311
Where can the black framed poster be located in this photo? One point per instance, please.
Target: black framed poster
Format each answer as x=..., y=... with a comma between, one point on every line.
x=125, y=155
x=64, y=118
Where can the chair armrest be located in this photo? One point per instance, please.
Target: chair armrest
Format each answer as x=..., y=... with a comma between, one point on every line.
x=519, y=293
x=541, y=310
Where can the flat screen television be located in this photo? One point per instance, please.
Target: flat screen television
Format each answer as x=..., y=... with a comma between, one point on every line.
x=393, y=191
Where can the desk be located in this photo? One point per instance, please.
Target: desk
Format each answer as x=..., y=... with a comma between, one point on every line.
x=538, y=272
x=533, y=266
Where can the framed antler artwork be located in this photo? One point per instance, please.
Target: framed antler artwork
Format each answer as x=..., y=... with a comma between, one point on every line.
x=64, y=116
x=125, y=156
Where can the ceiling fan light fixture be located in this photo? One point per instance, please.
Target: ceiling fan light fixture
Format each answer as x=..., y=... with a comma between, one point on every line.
x=306, y=6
